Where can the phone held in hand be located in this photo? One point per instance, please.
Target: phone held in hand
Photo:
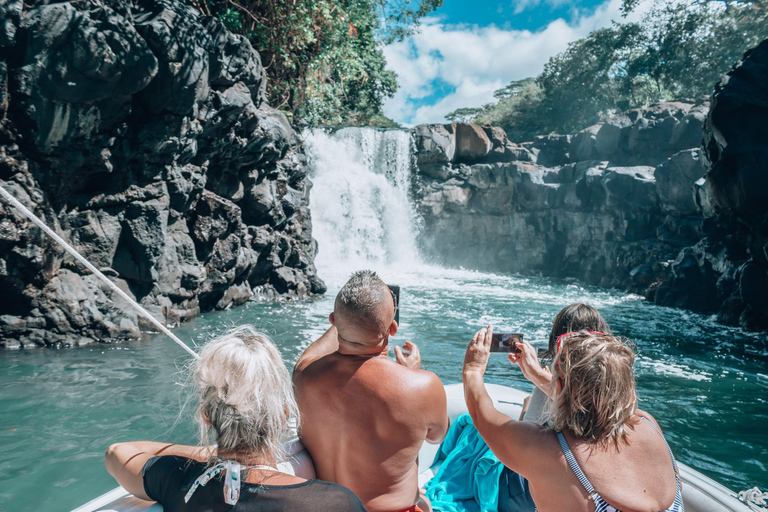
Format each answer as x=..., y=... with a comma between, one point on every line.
x=505, y=342
x=395, y=291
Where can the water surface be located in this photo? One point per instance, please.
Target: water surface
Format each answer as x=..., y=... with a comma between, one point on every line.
x=61, y=409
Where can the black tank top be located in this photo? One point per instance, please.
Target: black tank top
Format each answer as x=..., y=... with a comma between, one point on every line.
x=168, y=478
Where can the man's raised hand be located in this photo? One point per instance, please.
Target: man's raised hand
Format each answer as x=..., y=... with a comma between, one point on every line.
x=410, y=359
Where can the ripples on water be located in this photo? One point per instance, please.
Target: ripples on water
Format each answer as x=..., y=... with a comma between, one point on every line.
x=60, y=409
x=704, y=382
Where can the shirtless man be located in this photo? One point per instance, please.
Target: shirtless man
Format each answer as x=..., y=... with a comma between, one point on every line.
x=365, y=417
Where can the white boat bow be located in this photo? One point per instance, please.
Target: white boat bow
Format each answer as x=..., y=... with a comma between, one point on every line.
x=700, y=493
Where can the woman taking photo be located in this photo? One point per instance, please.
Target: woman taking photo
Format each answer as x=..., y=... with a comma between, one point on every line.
x=601, y=453
x=246, y=400
x=572, y=318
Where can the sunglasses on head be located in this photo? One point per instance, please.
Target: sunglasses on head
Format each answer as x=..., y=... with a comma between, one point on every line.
x=394, y=299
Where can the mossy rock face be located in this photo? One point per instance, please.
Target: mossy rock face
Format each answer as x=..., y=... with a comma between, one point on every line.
x=138, y=131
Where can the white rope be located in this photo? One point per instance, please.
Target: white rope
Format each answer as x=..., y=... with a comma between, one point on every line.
x=754, y=497
x=15, y=202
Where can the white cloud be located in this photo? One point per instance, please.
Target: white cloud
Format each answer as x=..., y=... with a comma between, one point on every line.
x=472, y=61
x=522, y=5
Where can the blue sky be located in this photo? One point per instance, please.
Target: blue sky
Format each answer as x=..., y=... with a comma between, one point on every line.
x=469, y=48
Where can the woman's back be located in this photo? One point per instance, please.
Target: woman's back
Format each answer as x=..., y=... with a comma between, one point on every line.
x=638, y=476
x=168, y=479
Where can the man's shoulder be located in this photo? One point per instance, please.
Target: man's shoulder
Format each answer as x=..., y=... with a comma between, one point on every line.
x=314, y=367
x=406, y=378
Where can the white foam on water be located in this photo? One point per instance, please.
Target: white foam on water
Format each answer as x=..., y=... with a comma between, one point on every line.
x=361, y=214
x=674, y=370
x=363, y=217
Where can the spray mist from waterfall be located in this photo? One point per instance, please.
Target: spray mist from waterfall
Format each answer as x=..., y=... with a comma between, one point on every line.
x=361, y=213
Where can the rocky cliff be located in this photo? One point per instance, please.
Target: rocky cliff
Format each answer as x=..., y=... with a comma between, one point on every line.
x=138, y=131
x=727, y=271
x=636, y=202
x=611, y=205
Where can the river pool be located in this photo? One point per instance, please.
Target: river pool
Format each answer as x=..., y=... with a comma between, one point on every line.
x=705, y=383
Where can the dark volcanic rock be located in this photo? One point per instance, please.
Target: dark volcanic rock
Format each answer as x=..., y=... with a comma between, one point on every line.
x=612, y=205
x=138, y=130
x=634, y=202
x=731, y=262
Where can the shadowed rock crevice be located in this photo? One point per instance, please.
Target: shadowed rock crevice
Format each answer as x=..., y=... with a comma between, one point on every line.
x=139, y=132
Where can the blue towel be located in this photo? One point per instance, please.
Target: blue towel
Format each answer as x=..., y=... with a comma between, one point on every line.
x=468, y=479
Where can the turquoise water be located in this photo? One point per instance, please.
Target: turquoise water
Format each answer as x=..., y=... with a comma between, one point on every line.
x=705, y=383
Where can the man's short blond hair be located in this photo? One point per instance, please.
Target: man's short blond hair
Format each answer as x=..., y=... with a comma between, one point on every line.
x=361, y=298
x=598, y=398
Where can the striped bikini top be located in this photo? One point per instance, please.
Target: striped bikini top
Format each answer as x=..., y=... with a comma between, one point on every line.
x=600, y=503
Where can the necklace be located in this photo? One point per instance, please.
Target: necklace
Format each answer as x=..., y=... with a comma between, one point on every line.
x=231, y=480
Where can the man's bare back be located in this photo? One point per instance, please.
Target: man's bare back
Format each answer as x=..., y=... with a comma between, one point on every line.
x=364, y=422
x=364, y=417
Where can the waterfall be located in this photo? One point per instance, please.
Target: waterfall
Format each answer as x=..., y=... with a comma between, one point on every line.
x=361, y=213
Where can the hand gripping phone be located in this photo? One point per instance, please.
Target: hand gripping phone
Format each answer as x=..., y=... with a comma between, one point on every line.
x=505, y=342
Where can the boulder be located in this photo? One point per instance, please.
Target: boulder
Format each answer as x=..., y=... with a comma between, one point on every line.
x=514, y=152
x=472, y=143
x=553, y=149
x=675, y=179
x=584, y=144
x=499, y=142
x=612, y=136
x=435, y=144
x=635, y=186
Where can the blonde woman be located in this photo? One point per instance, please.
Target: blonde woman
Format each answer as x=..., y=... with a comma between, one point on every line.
x=246, y=400
x=602, y=452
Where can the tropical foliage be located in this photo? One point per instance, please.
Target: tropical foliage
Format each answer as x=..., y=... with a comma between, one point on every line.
x=323, y=58
x=679, y=50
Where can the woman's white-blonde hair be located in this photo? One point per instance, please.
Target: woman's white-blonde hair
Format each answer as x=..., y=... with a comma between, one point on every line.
x=246, y=394
x=598, y=399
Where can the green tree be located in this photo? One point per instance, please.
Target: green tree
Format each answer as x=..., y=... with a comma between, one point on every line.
x=689, y=45
x=518, y=110
x=679, y=50
x=323, y=58
x=584, y=84
x=464, y=115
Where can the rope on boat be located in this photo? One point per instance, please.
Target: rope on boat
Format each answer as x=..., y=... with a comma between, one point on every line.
x=71, y=250
x=755, y=498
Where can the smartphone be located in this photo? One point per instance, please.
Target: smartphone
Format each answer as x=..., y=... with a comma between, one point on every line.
x=395, y=291
x=505, y=342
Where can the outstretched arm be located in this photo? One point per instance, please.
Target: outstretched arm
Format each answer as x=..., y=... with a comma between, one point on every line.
x=324, y=345
x=125, y=461
x=513, y=442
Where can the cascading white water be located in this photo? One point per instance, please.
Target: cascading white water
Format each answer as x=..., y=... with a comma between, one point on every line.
x=361, y=213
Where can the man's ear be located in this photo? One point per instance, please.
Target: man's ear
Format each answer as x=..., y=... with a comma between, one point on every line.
x=393, y=328
x=205, y=418
x=330, y=319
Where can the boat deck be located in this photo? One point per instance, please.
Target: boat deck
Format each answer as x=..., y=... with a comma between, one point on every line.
x=700, y=493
